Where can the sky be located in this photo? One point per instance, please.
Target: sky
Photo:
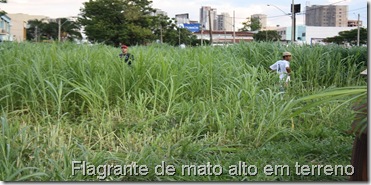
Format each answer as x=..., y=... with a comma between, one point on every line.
x=241, y=9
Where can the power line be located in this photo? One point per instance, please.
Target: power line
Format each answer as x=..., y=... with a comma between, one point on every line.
x=320, y=6
x=357, y=9
x=303, y=12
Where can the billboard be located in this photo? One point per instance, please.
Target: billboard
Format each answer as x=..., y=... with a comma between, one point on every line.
x=192, y=27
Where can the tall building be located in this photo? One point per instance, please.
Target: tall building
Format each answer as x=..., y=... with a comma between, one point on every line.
x=182, y=18
x=262, y=19
x=224, y=22
x=204, y=17
x=327, y=15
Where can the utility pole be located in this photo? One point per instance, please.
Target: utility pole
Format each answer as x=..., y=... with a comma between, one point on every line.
x=59, y=29
x=179, y=35
x=210, y=29
x=358, y=31
x=293, y=22
x=202, y=36
x=36, y=37
x=234, y=25
x=161, y=34
x=225, y=36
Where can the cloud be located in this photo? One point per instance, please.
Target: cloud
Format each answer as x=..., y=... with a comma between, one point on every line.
x=53, y=9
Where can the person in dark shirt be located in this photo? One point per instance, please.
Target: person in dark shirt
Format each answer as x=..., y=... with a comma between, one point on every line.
x=360, y=147
x=129, y=58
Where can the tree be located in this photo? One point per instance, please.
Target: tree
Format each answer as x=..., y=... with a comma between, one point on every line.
x=349, y=37
x=163, y=28
x=70, y=30
x=117, y=21
x=2, y=12
x=35, y=29
x=268, y=35
x=252, y=24
x=41, y=30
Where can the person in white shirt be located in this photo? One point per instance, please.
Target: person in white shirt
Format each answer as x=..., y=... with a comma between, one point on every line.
x=282, y=67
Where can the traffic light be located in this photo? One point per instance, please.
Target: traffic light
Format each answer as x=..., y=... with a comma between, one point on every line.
x=296, y=8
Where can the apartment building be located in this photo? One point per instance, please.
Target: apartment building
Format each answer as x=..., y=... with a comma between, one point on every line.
x=182, y=18
x=204, y=18
x=327, y=15
x=224, y=22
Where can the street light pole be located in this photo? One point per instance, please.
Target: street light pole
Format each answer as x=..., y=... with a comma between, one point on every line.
x=60, y=26
x=210, y=29
x=179, y=35
x=59, y=30
x=278, y=9
x=292, y=19
x=358, y=31
x=293, y=22
x=234, y=25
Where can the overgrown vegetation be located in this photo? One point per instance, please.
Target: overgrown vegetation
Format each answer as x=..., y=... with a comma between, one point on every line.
x=63, y=102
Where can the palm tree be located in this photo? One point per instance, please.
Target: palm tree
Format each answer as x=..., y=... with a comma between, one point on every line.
x=36, y=29
x=70, y=30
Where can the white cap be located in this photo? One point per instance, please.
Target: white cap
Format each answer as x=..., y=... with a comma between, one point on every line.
x=286, y=53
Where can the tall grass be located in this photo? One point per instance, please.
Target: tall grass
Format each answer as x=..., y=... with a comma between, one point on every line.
x=65, y=102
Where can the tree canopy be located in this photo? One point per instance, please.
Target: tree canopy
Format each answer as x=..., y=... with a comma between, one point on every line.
x=42, y=30
x=117, y=21
x=129, y=22
x=349, y=37
x=267, y=35
x=251, y=24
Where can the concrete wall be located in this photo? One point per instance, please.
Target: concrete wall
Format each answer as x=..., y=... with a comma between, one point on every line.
x=310, y=34
x=314, y=32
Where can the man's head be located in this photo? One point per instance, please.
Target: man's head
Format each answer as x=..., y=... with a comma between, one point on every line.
x=124, y=48
x=286, y=56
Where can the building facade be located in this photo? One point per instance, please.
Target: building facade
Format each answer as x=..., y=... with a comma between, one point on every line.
x=354, y=23
x=182, y=18
x=19, y=24
x=5, y=28
x=224, y=22
x=326, y=15
x=311, y=34
x=204, y=18
x=225, y=37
